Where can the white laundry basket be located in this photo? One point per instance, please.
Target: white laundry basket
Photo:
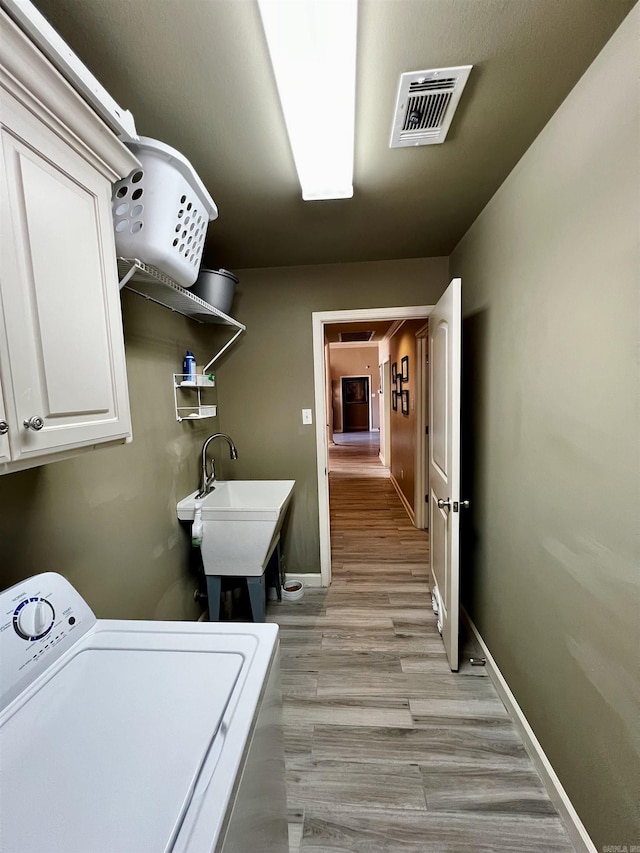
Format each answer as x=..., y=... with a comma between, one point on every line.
x=161, y=211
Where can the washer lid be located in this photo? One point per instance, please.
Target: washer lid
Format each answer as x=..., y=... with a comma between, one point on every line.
x=116, y=740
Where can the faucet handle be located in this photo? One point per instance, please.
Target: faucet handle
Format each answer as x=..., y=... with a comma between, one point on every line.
x=212, y=467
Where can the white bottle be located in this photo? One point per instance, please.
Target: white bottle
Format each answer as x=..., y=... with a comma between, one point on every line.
x=196, y=529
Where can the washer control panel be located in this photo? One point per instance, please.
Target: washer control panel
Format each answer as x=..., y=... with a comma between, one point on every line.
x=33, y=618
x=40, y=618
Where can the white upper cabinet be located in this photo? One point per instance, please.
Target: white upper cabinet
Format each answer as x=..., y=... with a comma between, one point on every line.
x=62, y=364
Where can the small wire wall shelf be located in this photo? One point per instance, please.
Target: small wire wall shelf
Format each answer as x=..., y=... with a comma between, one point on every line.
x=198, y=407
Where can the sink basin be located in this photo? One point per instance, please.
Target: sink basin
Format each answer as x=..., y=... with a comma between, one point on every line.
x=241, y=521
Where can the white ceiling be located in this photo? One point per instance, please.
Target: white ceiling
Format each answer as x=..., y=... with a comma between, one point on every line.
x=195, y=74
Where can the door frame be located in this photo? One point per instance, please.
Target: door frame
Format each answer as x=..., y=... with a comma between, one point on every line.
x=318, y=320
x=385, y=414
x=421, y=506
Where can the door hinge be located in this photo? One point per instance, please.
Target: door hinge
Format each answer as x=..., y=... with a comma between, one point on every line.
x=426, y=430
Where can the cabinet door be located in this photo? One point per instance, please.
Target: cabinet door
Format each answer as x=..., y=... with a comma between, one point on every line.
x=59, y=292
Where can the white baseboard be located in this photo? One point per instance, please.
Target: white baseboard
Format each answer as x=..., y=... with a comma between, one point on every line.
x=403, y=500
x=309, y=580
x=574, y=826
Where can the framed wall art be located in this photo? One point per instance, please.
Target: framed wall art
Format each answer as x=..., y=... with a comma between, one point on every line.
x=405, y=401
x=355, y=390
x=404, y=376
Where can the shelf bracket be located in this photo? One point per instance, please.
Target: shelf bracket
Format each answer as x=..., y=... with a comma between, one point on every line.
x=128, y=275
x=224, y=349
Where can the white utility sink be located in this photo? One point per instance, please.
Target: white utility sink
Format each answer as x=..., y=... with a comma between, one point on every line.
x=241, y=521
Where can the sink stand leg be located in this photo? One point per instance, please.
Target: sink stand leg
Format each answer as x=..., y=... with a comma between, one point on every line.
x=255, y=586
x=213, y=596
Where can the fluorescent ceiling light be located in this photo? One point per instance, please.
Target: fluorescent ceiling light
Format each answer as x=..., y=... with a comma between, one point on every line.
x=313, y=52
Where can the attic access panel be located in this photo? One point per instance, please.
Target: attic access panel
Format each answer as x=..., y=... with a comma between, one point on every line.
x=426, y=103
x=356, y=337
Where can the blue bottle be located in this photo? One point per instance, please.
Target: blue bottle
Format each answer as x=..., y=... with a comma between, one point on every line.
x=189, y=367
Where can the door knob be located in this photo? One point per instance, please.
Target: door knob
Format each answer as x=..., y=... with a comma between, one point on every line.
x=34, y=423
x=444, y=504
x=4, y=427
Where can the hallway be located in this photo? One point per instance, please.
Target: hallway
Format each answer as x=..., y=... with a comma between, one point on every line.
x=387, y=751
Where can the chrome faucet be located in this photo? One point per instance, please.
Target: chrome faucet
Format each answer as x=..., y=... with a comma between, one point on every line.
x=208, y=479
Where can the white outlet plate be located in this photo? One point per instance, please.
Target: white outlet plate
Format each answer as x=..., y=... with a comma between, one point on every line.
x=306, y=416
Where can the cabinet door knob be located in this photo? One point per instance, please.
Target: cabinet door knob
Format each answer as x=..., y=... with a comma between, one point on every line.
x=4, y=427
x=35, y=423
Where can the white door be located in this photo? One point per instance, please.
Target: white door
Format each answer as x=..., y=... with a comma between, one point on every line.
x=444, y=462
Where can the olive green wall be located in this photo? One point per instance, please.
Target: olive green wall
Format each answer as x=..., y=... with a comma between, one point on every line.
x=551, y=288
x=107, y=519
x=265, y=381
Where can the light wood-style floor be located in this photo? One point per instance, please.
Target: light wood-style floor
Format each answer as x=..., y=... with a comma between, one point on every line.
x=387, y=750
x=356, y=454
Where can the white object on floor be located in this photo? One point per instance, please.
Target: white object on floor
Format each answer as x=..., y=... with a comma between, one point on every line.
x=436, y=603
x=292, y=590
x=145, y=736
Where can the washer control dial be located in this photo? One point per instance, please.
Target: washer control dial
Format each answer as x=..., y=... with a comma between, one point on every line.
x=33, y=618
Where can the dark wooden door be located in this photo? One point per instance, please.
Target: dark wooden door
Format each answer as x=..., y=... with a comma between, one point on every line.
x=355, y=403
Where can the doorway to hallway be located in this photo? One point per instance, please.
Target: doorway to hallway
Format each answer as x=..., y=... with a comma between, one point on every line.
x=444, y=356
x=325, y=399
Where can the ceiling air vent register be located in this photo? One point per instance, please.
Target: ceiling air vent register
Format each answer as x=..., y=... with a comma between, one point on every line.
x=425, y=106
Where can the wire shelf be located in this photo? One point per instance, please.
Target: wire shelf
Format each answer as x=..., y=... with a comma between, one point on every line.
x=156, y=286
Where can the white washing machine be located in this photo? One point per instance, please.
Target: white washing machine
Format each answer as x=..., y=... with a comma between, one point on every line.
x=127, y=737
